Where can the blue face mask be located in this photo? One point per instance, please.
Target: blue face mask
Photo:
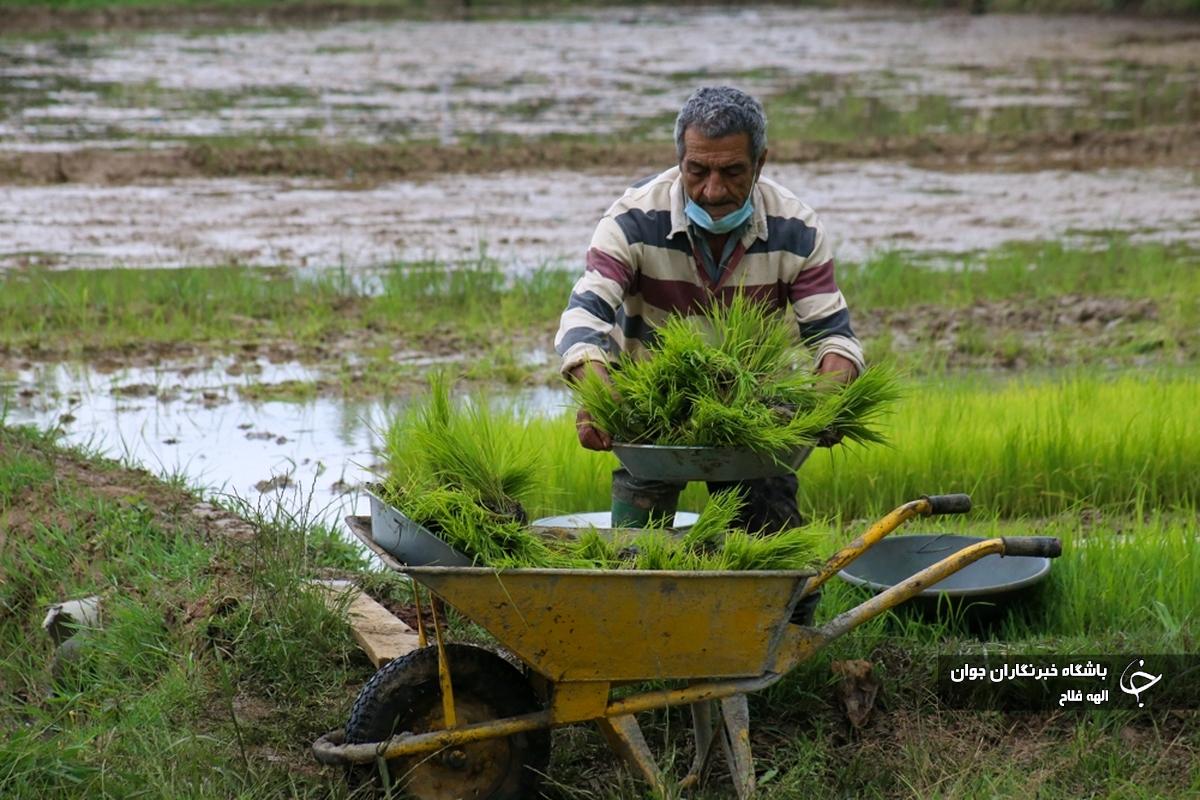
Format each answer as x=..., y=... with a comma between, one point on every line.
x=725, y=224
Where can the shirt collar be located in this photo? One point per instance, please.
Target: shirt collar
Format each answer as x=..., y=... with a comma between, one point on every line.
x=757, y=224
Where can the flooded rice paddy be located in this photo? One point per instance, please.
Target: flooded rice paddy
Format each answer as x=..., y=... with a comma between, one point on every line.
x=530, y=219
x=187, y=419
x=824, y=73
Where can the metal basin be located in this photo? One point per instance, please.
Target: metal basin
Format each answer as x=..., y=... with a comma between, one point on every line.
x=991, y=578
x=683, y=464
x=408, y=541
x=573, y=524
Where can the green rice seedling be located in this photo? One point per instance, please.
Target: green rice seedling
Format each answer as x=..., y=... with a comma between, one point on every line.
x=711, y=544
x=793, y=549
x=488, y=537
x=734, y=376
x=437, y=445
x=715, y=520
x=862, y=403
x=1027, y=446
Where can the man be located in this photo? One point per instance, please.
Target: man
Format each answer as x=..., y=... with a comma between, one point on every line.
x=706, y=229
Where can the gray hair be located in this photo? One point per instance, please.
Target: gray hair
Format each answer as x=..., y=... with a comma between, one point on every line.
x=723, y=111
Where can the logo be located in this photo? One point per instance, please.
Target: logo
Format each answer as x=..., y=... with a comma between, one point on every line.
x=1128, y=682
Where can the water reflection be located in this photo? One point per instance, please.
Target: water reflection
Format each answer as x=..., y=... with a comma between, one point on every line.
x=188, y=420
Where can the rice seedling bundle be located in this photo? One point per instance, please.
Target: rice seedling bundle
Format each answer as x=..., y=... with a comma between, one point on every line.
x=465, y=475
x=733, y=376
x=711, y=544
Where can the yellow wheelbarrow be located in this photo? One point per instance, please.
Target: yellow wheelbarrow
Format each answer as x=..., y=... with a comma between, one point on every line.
x=459, y=721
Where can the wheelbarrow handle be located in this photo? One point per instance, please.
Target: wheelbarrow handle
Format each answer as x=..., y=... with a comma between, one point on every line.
x=926, y=506
x=948, y=503
x=1036, y=546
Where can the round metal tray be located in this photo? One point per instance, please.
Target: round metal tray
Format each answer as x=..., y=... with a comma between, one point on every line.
x=683, y=464
x=896, y=559
x=601, y=521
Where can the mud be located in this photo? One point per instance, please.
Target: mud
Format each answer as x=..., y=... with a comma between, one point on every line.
x=361, y=166
x=1028, y=333
x=594, y=72
x=530, y=219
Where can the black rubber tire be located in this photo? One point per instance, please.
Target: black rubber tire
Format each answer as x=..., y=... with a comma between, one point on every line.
x=408, y=689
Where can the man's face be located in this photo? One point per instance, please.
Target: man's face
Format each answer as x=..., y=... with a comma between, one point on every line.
x=718, y=173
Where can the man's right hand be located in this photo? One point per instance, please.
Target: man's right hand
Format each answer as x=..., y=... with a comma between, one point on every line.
x=590, y=436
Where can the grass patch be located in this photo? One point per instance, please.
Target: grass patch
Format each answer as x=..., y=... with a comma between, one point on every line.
x=87, y=310
x=1027, y=447
x=1038, y=270
x=489, y=317
x=215, y=663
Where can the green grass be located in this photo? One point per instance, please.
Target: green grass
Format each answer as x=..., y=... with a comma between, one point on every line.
x=176, y=694
x=1114, y=267
x=479, y=311
x=1125, y=442
x=99, y=309
x=1023, y=447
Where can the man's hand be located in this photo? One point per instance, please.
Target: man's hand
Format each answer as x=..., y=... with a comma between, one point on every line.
x=843, y=371
x=839, y=368
x=590, y=436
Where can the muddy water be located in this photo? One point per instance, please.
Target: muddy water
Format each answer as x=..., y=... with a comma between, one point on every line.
x=187, y=420
x=592, y=72
x=537, y=218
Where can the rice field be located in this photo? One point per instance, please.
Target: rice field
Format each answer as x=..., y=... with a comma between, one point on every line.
x=1025, y=447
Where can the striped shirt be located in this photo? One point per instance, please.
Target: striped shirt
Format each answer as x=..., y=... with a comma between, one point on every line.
x=643, y=265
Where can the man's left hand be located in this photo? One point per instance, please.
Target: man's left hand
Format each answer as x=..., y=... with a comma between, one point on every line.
x=843, y=371
x=839, y=368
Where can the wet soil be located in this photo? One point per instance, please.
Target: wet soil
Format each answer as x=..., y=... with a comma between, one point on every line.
x=1063, y=331
x=824, y=75
x=546, y=217
x=363, y=166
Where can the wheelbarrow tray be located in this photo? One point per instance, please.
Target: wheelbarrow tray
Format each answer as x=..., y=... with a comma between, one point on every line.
x=619, y=625
x=625, y=625
x=894, y=560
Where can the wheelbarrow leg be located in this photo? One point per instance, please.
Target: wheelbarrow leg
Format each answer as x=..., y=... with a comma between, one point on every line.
x=624, y=736
x=735, y=741
x=702, y=730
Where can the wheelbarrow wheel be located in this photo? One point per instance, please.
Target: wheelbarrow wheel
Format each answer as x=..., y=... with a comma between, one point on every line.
x=405, y=695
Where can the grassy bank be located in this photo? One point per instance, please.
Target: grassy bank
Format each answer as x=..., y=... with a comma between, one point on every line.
x=215, y=662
